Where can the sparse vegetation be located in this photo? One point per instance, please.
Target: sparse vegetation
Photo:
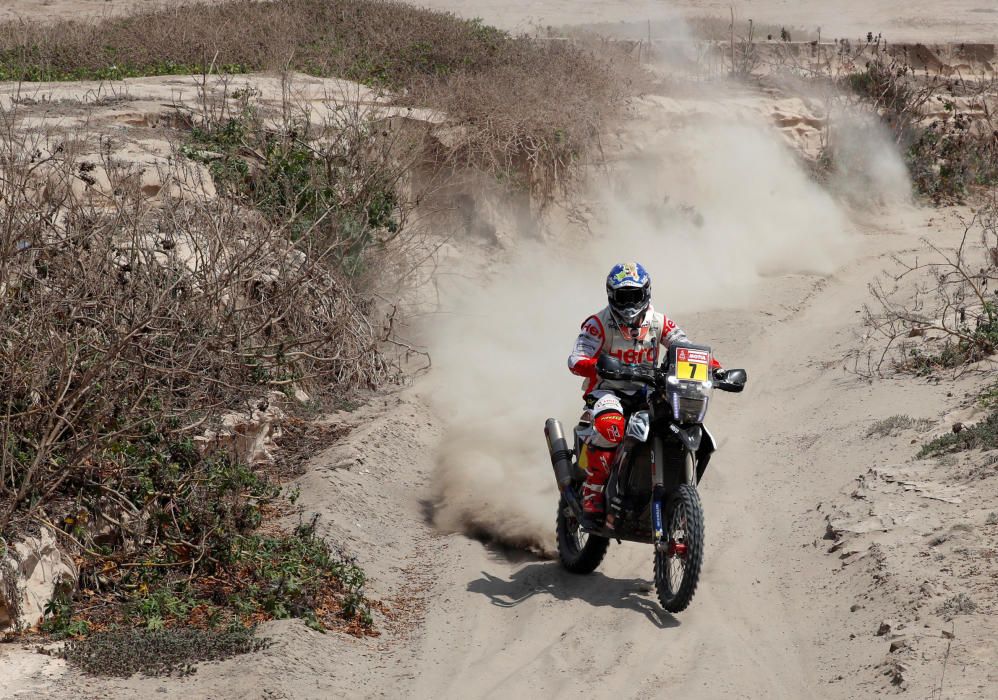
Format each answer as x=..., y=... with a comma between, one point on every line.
x=891, y=86
x=981, y=436
x=894, y=425
x=959, y=604
x=123, y=340
x=528, y=109
x=947, y=155
x=944, y=298
x=342, y=197
x=953, y=154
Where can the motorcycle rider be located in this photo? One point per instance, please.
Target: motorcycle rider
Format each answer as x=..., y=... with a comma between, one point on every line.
x=631, y=330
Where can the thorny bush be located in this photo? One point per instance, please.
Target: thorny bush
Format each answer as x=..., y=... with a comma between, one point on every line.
x=940, y=313
x=130, y=327
x=944, y=126
x=124, y=320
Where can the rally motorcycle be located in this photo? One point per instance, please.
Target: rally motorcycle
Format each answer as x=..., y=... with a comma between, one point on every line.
x=651, y=495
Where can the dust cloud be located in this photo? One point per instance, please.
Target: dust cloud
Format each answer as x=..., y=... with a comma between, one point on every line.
x=709, y=200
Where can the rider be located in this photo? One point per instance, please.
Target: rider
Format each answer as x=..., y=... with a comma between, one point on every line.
x=632, y=331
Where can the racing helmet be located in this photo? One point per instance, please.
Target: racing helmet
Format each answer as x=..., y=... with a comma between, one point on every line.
x=628, y=292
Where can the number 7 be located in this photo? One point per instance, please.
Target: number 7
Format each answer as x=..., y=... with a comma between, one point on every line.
x=693, y=371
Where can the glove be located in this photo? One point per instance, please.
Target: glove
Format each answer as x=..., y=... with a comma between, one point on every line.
x=586, y=367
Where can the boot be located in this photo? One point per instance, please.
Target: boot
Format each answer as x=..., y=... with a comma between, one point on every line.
x=596, y=462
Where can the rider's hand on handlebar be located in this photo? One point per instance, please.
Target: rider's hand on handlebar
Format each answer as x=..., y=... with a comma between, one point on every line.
x=609, y=367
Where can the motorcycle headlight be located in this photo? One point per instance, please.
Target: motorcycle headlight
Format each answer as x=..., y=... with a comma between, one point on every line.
x=689, y=400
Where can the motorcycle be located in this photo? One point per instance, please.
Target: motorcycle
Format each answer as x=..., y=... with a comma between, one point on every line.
x=651, y=495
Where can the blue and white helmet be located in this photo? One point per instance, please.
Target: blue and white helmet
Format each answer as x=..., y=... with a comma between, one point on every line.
x=628, y=292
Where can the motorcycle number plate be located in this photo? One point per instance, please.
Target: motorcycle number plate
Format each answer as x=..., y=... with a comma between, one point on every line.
x=692, y=365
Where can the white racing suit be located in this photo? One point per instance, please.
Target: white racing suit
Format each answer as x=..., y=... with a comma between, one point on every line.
x=639, y=345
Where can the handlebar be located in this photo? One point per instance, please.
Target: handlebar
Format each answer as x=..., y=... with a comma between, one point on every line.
x=628, y=373
x=611, y=369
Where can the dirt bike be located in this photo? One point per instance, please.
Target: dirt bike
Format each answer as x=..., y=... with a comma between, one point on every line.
x=651, y=495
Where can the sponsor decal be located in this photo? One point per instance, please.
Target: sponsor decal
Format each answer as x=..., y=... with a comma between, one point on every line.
x=695, y=357
x=636, y=357
x=608, y=402
x=610, y=426
x=627, y=270
x=698, y=357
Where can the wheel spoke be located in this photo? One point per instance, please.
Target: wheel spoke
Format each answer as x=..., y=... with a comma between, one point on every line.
x=579, y=551
x=679, y=556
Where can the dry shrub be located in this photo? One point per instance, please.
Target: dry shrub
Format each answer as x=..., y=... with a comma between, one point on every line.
x=530, y=107
x=938, y=312
x=128, y=324
x=947, y=155
x=524, y=123
x=891, y=85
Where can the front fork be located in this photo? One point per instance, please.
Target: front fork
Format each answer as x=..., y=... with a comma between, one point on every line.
x=658, y=491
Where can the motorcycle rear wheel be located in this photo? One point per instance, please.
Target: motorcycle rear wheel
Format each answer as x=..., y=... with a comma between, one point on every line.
x=579, y=552
x=677, y=567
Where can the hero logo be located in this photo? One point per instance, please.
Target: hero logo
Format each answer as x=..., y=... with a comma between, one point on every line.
x=614, y=433
x=636, y=357
x=593, y=329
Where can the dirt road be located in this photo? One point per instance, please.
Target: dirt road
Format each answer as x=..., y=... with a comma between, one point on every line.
x=765, y=622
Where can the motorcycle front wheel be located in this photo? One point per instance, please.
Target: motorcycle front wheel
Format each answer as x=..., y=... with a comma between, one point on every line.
x=679, y=558
x=578, y=551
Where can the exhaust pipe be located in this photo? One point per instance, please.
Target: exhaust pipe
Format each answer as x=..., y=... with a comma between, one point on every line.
x=561, y=456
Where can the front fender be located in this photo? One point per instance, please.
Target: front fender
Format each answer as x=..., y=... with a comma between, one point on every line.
x=690, y=437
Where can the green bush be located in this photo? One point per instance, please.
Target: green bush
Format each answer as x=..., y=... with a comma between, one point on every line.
x=983, y=436
x=342, y=198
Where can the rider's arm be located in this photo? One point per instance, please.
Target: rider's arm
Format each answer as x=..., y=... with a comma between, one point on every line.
x=588, y=345
x=671, y=333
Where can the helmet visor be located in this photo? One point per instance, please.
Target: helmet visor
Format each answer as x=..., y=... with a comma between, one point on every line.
x=628, y=296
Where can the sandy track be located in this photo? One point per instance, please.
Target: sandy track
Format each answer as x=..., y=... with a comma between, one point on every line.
x=775, y=616
x=502, y=625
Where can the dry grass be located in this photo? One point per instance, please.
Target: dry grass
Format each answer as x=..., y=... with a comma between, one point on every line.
x=531, y=108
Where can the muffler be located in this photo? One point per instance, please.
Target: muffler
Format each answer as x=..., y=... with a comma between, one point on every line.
x=561, y=456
